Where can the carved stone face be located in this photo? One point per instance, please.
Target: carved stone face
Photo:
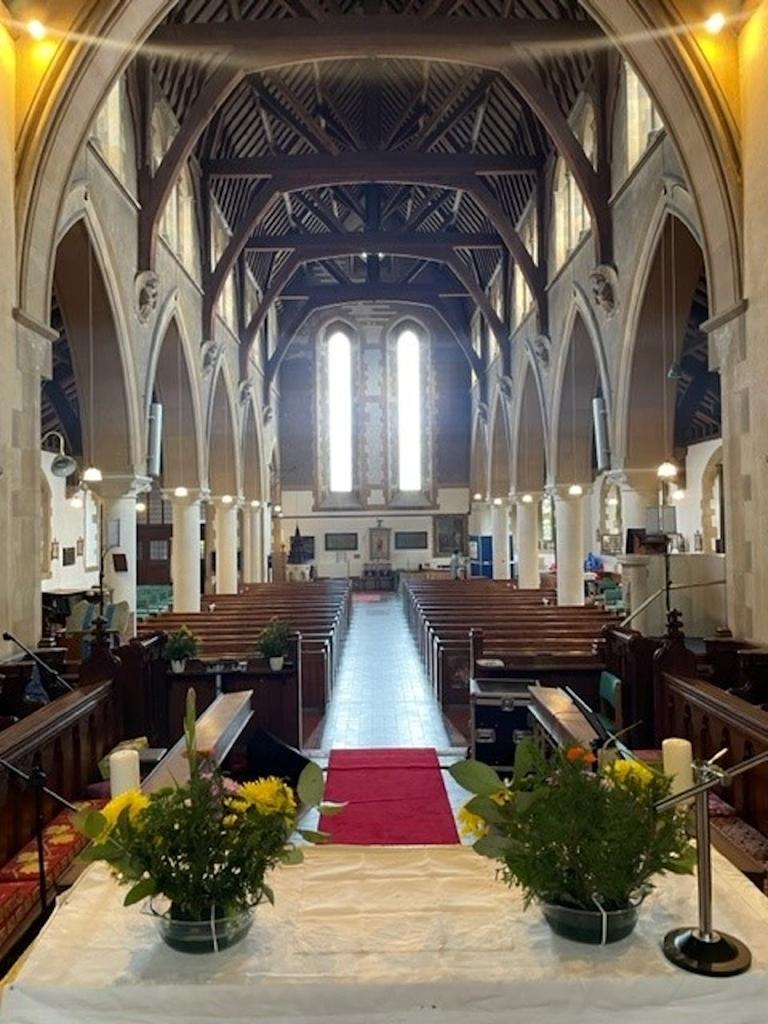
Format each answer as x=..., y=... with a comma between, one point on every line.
x=147, y=294
x=603, y=291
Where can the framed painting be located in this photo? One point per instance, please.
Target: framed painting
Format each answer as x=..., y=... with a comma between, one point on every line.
x=411, y=540
x=450, y=533
x=341, y=542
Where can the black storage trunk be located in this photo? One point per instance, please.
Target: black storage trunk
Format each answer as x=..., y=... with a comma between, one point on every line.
x=499, y=719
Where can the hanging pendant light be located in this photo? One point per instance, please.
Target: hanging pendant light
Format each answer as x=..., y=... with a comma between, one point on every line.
x=180, y=492
x=667, y=471
x=527, y=499
x=92, y=474
x=575, y=491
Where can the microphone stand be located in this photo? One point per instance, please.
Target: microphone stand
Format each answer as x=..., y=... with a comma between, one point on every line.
x=31, y=654
x=703, y=950
x=36, y=780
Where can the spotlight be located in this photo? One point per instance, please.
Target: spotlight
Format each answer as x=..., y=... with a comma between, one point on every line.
x=141, y=506
x=92, y=475
x=715, y=23
x=675, y=372
x=575, y=490
x=62, y=464
x=527, y=499
x=37, y=29
x=667, y=471
x=180, y=492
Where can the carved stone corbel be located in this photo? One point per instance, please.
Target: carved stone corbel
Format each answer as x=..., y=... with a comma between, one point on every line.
x=146, y=294
x=210, y=353
x=604, y=287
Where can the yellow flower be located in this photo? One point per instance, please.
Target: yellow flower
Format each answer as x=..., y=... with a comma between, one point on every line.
x=267, y=796
x=623, y=768
x=471, y=824
x=133, y=799
x=501, y=797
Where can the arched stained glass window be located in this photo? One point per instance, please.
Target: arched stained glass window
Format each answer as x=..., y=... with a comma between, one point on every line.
x=409, y=397
x=340, y=412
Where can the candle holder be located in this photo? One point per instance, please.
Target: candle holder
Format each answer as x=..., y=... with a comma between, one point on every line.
x=702, y=949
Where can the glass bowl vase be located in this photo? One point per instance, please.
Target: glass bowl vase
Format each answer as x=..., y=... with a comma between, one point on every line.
x=211, y=935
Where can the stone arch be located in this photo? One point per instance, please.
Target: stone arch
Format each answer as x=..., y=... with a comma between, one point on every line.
x=529, y=469
x=644, y=424
x=112, y=438
x=254, y=484
x=501, y=453
x=577, y=380
x=171, y=374
x=223, y=455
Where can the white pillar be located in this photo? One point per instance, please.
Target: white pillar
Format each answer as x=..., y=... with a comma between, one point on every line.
x=265, y=540
x=185, y=554
x=118, y=515
x=252, y=548
x=636, y=587
x=569, y=535
x=500, y=534
x=527, y=544
x=639, y=492
x=226, y=547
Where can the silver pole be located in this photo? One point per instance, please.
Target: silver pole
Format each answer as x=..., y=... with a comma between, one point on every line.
x=704, y=861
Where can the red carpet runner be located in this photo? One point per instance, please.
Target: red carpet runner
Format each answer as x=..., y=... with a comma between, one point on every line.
x=395, y=797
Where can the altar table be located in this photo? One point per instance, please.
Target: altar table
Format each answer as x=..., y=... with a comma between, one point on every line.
x=367, y=935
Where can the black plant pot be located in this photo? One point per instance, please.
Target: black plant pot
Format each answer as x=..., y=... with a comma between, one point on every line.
x=590, y=926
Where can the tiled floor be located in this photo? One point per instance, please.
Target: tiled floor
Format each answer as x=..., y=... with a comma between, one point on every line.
x=382, y=696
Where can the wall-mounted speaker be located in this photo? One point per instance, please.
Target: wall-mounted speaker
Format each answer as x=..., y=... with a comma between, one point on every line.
x=155, y=441
x=600, y=420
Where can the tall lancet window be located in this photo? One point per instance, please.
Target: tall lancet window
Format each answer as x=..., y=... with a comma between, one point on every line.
x=340, y=412
x=409, y=398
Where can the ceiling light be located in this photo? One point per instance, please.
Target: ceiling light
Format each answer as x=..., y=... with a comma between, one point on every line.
x=37, y=29
x=255, y=504
x=477, y=496
x=527, y=499
x=227, y=499
x=141, y=506
x=575, y=491
x=715, y=23
x=667, y=471
x=92, y=475
x=278, y=508
x=498, y=501
x=180, y=492
x=678, y=494
x=363, y=255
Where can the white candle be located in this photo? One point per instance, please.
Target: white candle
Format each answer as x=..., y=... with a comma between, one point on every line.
x=123, y=771
x=677, y=758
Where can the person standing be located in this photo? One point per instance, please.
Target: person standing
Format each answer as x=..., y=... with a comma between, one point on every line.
x=455, y=565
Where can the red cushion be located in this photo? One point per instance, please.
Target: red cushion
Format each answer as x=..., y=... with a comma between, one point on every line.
x=61, y=844
x=16, y=901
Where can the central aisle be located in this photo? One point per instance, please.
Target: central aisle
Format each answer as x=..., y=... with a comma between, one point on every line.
x=382, y=696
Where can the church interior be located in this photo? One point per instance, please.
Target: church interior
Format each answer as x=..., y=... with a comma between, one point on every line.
x=382, y=386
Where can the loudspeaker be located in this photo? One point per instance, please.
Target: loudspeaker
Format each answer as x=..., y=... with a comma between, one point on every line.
x=267, y=755
x=600, y=420
x=155, y=440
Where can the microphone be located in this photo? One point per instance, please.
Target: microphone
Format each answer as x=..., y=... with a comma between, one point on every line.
x=39, y=661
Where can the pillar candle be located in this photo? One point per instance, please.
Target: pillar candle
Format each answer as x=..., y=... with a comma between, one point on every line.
x=123, y=771
x=677, y=758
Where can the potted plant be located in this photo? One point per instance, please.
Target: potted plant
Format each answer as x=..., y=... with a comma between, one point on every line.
x=584, y=841
x=180, y=646
x=273, y=642
x=200, y=851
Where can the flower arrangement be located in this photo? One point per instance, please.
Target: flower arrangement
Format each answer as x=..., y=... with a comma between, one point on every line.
x=207, y=845
x=273, y=640
x=572, y=834
x=181, y=645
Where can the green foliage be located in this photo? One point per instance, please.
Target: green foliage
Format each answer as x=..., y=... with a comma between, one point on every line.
x=181, y=645
x=205, y=844
x=274, y=640
x=569, y=835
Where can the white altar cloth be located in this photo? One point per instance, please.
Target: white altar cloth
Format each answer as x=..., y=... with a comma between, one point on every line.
x=366, y=935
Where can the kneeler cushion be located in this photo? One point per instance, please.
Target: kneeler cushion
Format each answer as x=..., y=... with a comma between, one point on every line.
x=61, y=844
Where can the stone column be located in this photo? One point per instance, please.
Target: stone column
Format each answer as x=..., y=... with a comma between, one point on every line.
x=252, y=555
x=639, y=491
x=527, y=543
x=226, y=546
x=634, y=582
x=118, y=515
x=185, y=553
x=569, y=537
x=500, y=534
x=266, y=539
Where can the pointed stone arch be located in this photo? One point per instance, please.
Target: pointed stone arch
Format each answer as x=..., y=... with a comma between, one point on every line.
x=254, y=484
x=95, y=323
x=480, y=461
x=501, y=453
x=171, y=376
x=529, y=465
x=223, y=455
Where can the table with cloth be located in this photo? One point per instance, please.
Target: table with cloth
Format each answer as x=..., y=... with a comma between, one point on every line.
x=368, y=935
